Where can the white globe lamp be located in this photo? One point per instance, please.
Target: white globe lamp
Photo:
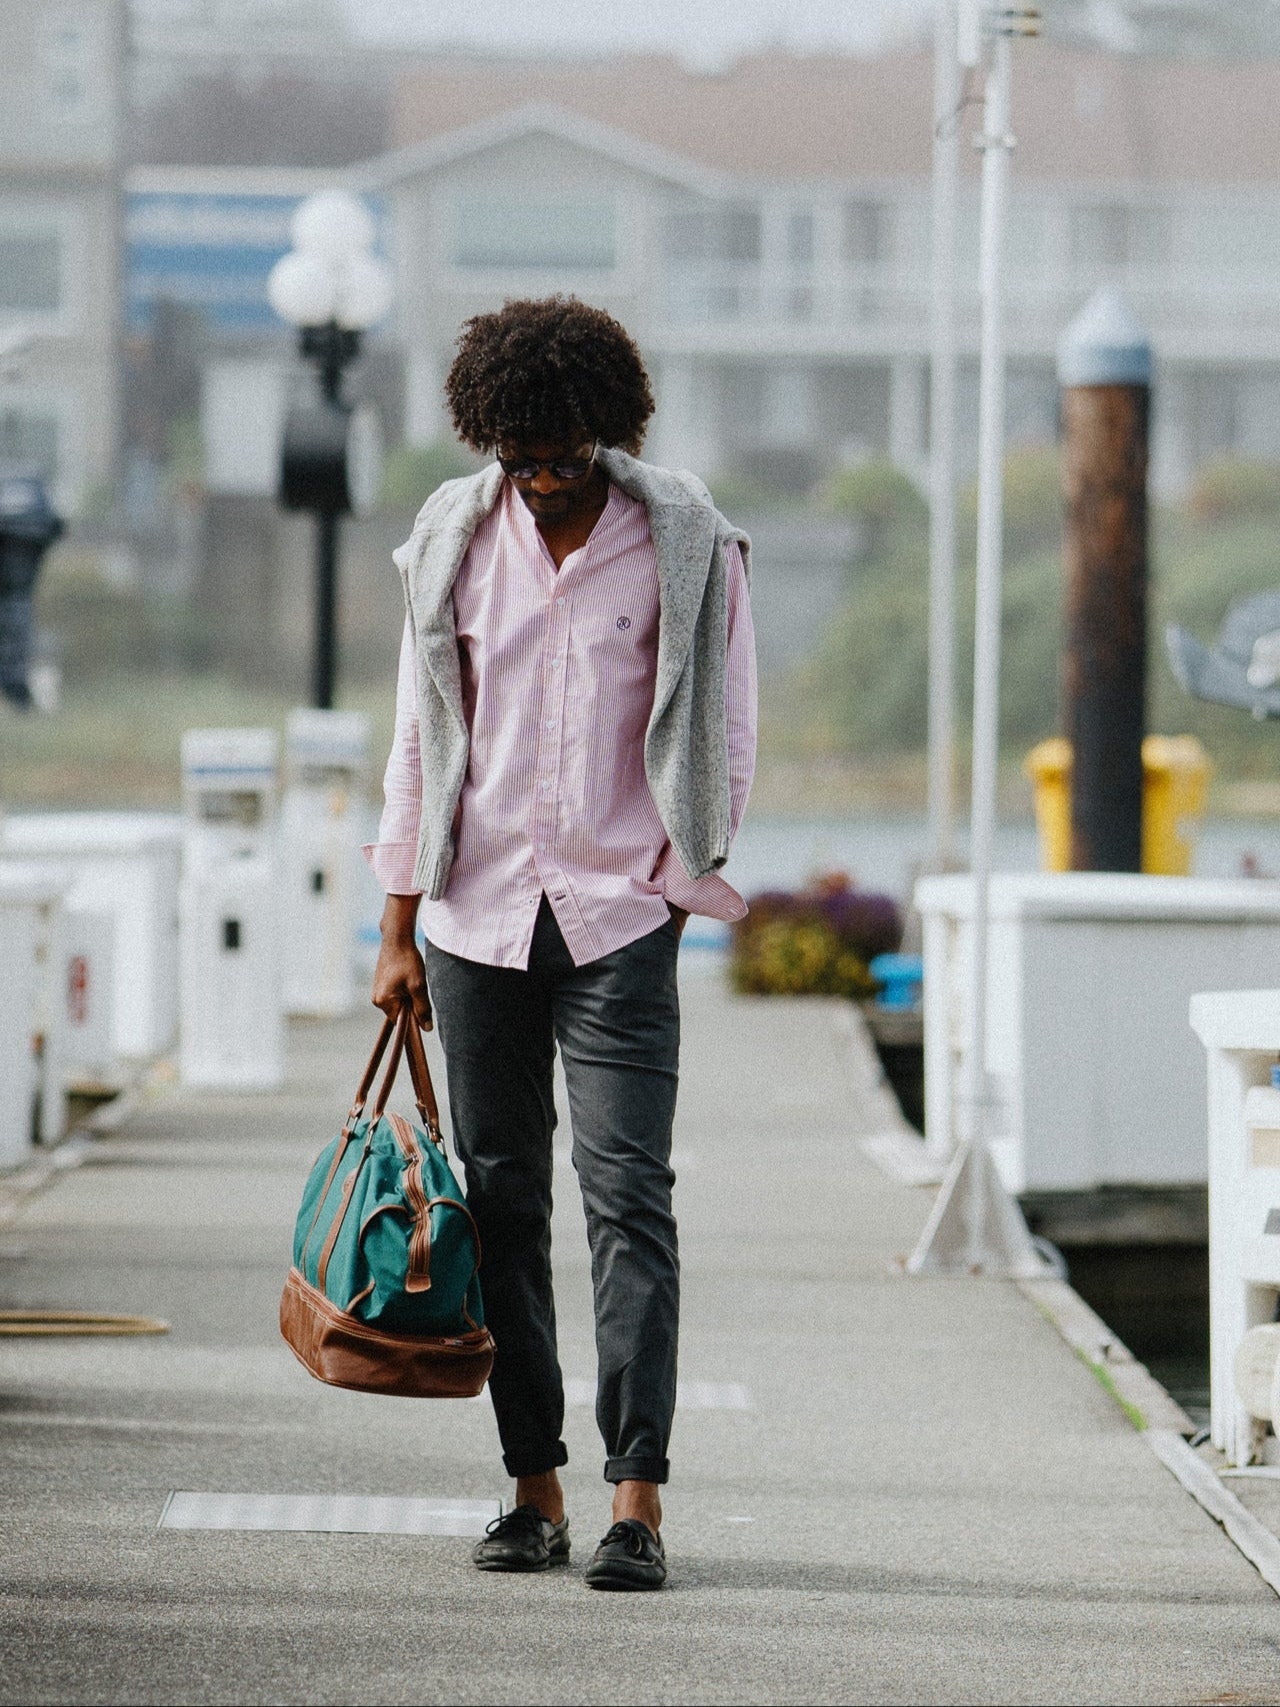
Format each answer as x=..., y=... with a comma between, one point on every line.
x=332, y=288
x=301, y=289
x=363, y=294
x=332, y=224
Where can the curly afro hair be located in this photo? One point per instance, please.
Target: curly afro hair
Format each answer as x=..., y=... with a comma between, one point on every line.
x=552, y=371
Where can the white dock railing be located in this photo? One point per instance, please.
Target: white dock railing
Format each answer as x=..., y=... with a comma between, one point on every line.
x=1241, y=1034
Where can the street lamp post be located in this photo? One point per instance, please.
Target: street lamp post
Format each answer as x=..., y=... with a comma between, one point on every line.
x=332, y=288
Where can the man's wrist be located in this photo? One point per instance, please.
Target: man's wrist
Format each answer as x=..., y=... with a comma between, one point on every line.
x=400, y=920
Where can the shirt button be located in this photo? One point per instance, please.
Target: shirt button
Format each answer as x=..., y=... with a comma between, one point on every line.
x=559, y=601
x=546, y=787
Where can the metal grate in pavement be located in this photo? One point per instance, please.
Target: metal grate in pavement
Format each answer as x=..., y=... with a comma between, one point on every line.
x=348, y=1514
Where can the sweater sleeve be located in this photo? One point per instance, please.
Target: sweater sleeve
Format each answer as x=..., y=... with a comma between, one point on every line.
x=712, y=896
x=393, y=855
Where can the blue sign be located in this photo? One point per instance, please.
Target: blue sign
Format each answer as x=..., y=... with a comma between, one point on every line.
x=211, y=252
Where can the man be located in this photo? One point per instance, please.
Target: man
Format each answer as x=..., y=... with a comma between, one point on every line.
x=575, y=738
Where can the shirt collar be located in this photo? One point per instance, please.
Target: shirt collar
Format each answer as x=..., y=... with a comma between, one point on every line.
x=521, y=518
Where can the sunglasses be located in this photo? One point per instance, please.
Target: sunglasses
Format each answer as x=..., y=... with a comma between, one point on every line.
x=562, y=467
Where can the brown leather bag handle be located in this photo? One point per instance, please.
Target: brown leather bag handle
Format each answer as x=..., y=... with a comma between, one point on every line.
x=424, y=1092
x=408, y=1039
x=396, y=1028
x=366, y=1082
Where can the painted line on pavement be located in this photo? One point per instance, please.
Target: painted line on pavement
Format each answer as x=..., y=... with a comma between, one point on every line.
x=344, y=1514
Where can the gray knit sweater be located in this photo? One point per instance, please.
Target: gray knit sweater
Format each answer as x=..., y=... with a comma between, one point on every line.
x=685, y=747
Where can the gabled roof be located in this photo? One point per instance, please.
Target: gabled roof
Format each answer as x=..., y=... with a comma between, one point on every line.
x=777, y=117
x=549, y=119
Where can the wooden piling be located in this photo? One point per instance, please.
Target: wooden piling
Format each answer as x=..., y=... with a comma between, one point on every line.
x=1104, y=369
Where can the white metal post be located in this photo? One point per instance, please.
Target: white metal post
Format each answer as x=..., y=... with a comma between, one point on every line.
x=942, y=471
x=986, y=654
x=975, y=1224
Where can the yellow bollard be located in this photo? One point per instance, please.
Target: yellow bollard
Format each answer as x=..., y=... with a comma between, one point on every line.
x=1049, y=767
x=1175, y=785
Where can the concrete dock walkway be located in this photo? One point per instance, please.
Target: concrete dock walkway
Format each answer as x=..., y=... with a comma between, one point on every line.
x=885, y=1490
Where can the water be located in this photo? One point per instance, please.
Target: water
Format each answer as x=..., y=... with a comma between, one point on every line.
x=1156, y=1297
x=884, y=850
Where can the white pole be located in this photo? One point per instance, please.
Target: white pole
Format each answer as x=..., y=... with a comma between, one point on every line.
x=975, y=1225
x=972, y=1113
x=942, y=472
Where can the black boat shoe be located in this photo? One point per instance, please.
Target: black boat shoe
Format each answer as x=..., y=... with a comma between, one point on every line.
x=631, y=1556
x=523, y=1540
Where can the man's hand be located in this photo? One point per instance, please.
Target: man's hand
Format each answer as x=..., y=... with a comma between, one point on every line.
x=681, y=917
x=400, y=975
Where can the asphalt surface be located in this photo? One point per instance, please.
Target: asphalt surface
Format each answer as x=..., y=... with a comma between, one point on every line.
x=884, y=1490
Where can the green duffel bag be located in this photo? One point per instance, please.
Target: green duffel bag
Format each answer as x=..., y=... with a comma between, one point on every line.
x=384, y=1292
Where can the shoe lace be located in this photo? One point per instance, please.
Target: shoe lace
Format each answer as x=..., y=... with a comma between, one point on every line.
x=630, y=1537
x=522, y=1519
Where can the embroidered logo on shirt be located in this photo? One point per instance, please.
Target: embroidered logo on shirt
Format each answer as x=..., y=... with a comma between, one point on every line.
x=624, y=622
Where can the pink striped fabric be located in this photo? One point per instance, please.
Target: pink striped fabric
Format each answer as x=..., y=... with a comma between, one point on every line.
x=558, y=675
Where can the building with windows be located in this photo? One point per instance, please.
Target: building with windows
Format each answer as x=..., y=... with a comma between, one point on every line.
x=765, y=232
x=61, y=82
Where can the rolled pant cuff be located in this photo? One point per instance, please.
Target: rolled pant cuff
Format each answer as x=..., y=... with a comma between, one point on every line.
x=536, y=1463
x=637, y=1469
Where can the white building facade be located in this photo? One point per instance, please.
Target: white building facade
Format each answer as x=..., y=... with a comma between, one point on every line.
x=784, y=303
x=61, y=79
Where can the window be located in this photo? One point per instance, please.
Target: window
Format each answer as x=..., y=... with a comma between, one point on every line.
x=29, y=436
x=866, y=233
x=30, y=272
x=712, y=232
x=685, y=235
x=533, y=233
x=1115, y=235
x=800, y=239
x=741, y=240
x=68, y=49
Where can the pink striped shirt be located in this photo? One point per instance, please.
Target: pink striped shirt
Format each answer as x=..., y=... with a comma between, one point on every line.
x=558, y=681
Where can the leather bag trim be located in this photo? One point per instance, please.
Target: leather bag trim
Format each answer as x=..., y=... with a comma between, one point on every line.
x=343, y=1351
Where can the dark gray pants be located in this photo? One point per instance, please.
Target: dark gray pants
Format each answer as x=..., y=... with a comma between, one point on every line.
x=617, y=1022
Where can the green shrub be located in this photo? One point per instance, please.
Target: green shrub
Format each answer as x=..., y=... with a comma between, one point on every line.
x=738, y=494
x=1233, y=488
x=413, y=472
x=799, y=958
x=878, y=495
x=865, y=691
x=1032, y=501
x=816, y=941
x=867, y=680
